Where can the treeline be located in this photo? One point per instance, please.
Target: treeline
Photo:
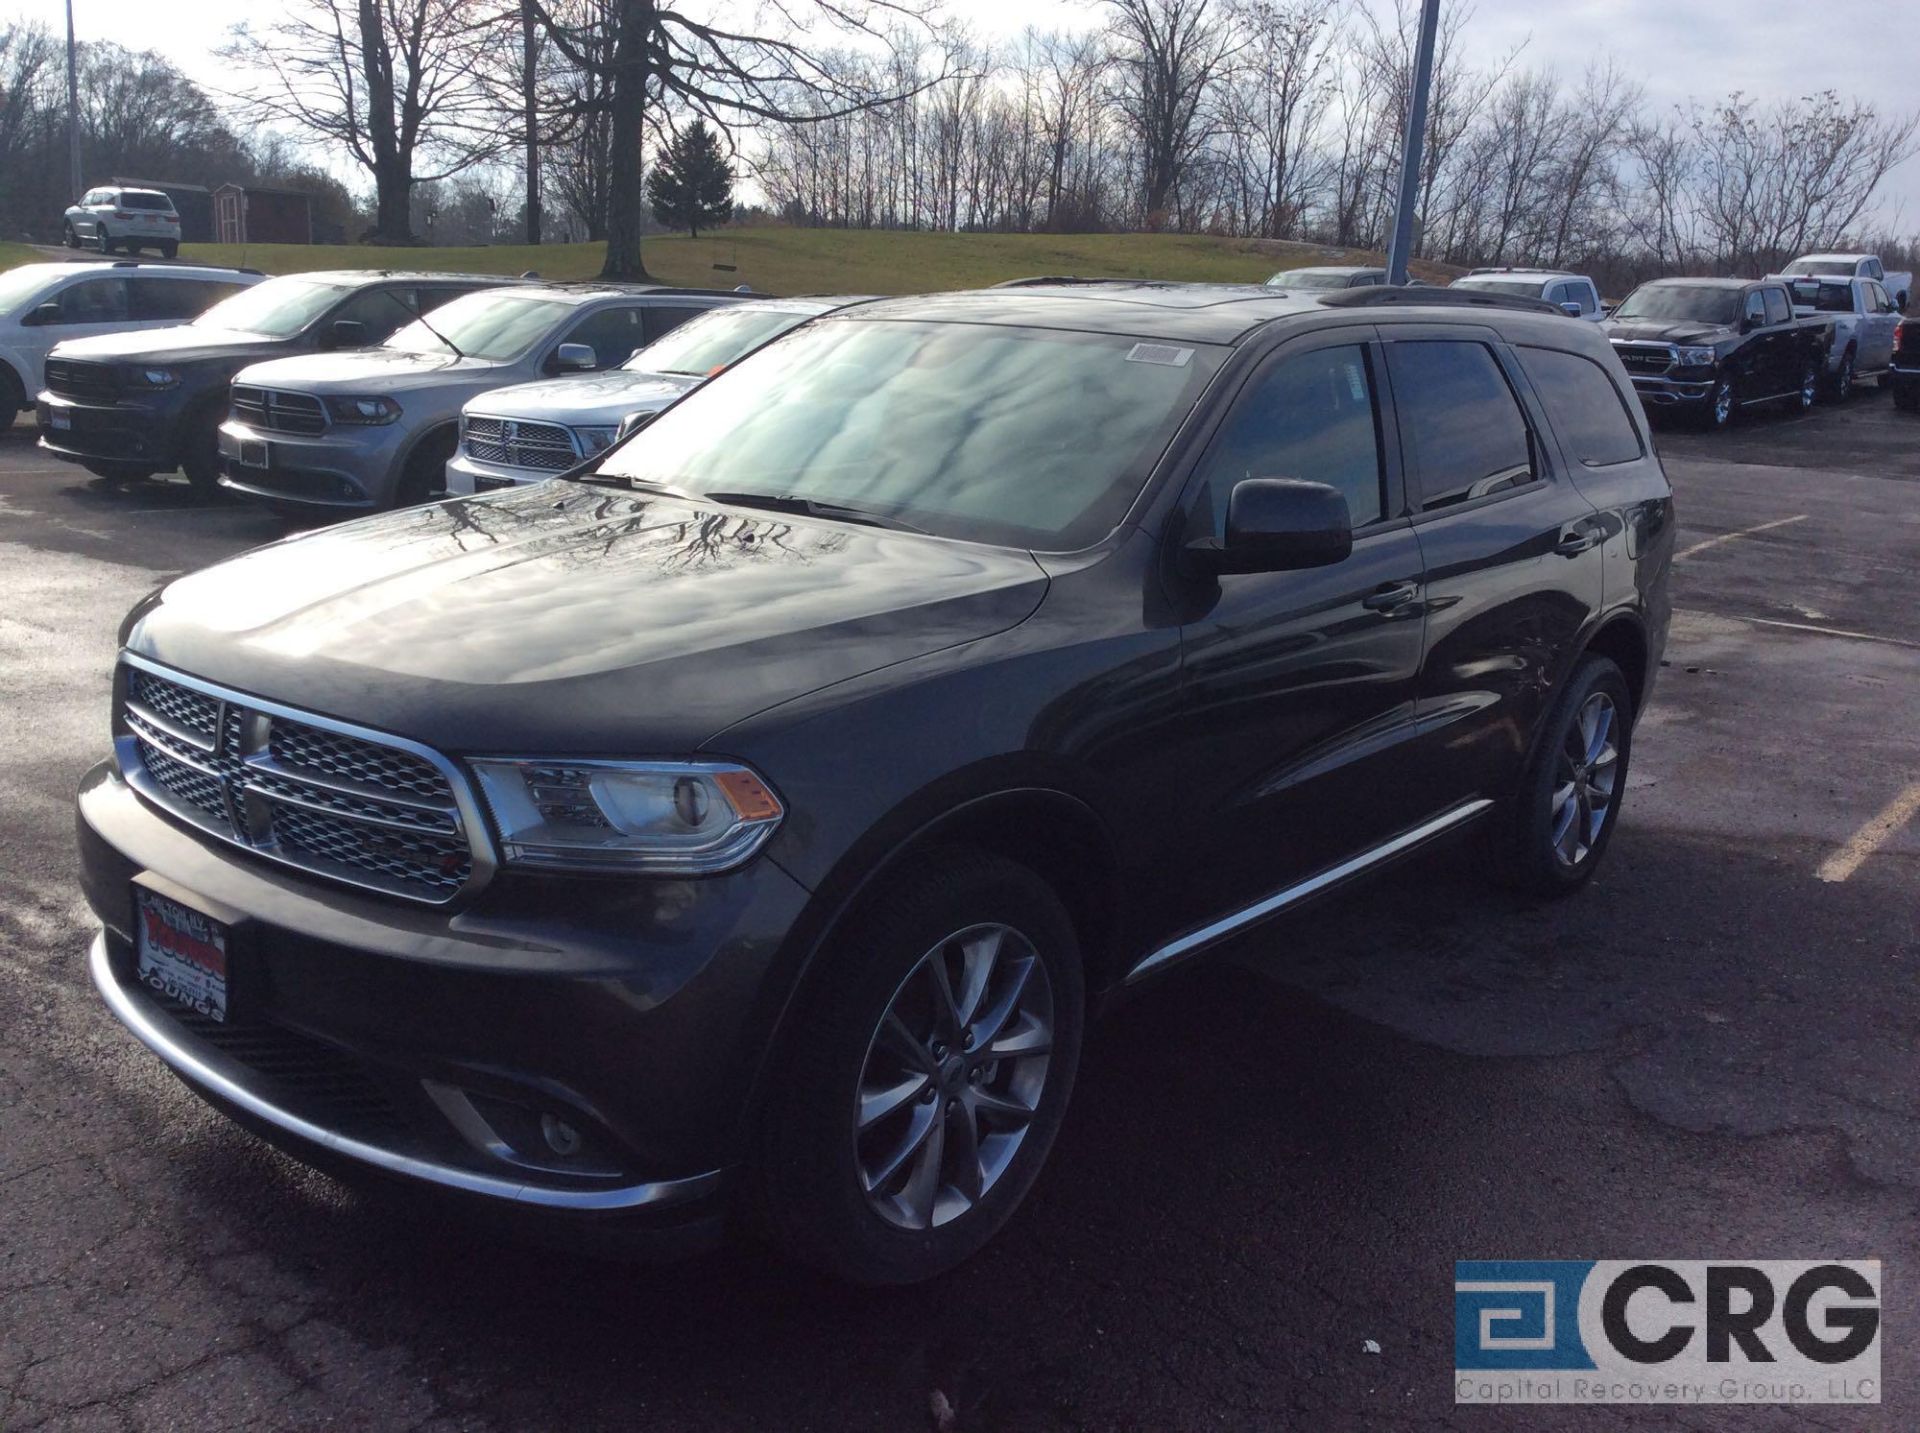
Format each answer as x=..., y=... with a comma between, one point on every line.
x=1283, y=120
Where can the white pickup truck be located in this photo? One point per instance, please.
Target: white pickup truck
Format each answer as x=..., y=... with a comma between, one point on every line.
x=1853, y=266
x=1864, y=319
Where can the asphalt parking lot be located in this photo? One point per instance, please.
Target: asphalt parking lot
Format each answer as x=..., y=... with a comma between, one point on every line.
x=1272, y=1160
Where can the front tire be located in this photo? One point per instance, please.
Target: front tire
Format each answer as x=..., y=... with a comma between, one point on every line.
x=424, y=479
x=1717, y=412
x=1842, y=385
x=67, y=235
x=1809, y=387
x=1551, y=838
x=200, y=454
x=925, y=1075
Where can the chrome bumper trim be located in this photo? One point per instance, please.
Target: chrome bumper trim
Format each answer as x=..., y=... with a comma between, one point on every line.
x=153, y=1034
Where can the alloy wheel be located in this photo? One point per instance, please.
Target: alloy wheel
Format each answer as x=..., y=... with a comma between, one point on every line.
x=1809, y=386
x=1584, y=780
x=1722, y=403
x=1843, y=380
x=953, y=1076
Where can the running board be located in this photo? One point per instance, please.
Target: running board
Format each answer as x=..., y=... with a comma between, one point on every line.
x=1406, y=841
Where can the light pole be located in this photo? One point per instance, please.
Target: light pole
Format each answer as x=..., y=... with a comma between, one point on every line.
x=73, y=112
x=1413, y=144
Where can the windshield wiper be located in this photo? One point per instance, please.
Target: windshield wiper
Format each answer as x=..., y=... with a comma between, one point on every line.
x=421, y=319
x=812, y=507
x=585, y=472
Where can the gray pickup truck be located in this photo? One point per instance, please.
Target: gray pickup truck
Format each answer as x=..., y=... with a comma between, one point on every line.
x=1864, y=318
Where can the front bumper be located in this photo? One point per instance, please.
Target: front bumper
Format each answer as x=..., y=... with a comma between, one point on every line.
x=128, y=431
x=468, y=475
x=425, y=1044
x=343, y=468
x=1665, y=391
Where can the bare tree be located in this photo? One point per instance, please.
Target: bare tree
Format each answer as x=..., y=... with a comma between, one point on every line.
x=1171, y=56
x=395, y=84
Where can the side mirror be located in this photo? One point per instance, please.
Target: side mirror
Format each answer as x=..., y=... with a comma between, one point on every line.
x=632, y=424
x=575, y=358
x=1749, y=322
x=1570, y=309
x=347, y=333
x=1277, y=525
x=48, y=312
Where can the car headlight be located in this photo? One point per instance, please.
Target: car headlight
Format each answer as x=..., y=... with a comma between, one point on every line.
x=1693, y=357
x=674, y=818
x=595, y=440
x=372, y=410
x=153, y=377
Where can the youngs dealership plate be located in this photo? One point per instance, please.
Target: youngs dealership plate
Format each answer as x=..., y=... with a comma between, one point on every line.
x=181, y=953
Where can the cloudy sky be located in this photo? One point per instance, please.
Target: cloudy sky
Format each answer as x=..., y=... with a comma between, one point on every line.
x=1701, y=48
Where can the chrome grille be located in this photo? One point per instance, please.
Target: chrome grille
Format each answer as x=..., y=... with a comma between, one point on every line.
x=277, y=412
x=514, y=443
x=1645, y=358
x=350, y=805
x=73, y=379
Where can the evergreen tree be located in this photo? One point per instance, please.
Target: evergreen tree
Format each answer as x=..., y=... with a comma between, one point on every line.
x=692, y=183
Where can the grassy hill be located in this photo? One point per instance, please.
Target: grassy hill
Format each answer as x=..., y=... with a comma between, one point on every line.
x=789, y=261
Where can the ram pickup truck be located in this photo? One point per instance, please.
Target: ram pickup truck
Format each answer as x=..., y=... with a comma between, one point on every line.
x=1863, y=322
x=1854, y=266
x=1710, y=347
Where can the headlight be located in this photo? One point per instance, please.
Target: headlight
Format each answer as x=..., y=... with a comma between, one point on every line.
x=1693, y=357
x=370, y=411
x=595, y=440
x=651, y=817
x=153, y=377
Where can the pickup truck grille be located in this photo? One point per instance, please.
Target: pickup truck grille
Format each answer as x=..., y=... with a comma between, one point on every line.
x=73, y=379
x=514, y=443
x=277, y=412
x=349, y=805
x=1645, y=358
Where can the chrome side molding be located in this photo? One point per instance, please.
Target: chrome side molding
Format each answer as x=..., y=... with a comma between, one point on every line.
x=1195, y=940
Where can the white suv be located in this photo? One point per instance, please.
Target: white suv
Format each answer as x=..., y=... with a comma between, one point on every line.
x=1573, y=294
x=43, y=304
x=133, y=219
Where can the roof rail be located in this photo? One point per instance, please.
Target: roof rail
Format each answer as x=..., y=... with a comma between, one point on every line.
x=1386, y=296
x=1040, y=280
x=180, y=264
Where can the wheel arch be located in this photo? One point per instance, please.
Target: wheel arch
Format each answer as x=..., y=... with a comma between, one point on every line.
x=1623, y=640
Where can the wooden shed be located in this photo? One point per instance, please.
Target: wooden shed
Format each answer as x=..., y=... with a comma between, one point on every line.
x=256, y=214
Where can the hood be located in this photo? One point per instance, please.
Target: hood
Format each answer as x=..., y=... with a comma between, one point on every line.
x=1667, y=331
x=575, y=619
x=596, y=398
x=182, y=344
x=391, y=370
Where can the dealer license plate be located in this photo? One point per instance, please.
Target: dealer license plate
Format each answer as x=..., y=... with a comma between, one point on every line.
x=182, y=953
x=60, y=422
x=255, y=454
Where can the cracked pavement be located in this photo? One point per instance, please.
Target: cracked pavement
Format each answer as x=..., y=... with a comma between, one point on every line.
x=1272, y=1158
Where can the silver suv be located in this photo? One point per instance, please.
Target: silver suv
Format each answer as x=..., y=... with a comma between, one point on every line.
x=117, y=218
x=1575, y=295
x=374, y=428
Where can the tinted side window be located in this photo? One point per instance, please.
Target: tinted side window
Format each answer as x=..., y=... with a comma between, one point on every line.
x=429, y=299
x=1755, y=307
x=665, y=318
x=1589, y=300
x=1460, y=417
x=381, y=310
x=94, y=301
x=1778, y=309
x=171, y=298
x=612, y=334
x=1586, y=410
x=1308, y=417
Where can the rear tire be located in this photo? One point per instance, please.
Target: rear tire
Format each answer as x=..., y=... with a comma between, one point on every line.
x=1551, y=837
x=170, y=251
x=895, y=1141
x=107, y=242
x=1840, y=388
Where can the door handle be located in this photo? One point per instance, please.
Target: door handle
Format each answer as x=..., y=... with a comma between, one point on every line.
x=1391, y=596
x=1572, y=544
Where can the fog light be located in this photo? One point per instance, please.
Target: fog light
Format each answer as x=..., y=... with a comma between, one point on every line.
x=562, y=1138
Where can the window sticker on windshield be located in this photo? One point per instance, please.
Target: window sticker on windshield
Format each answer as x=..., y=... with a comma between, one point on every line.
x=1164, y=354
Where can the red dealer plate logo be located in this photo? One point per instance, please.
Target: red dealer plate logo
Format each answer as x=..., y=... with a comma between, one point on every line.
x=182, y=953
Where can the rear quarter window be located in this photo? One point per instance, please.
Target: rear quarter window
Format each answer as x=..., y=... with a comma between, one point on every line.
x=1586, y=409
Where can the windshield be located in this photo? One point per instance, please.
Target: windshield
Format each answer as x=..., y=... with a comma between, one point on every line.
x=278, y=308
x=27, y=281
x=712, y=341
x=1308, y=279
x=1519, y=288
x=1023, y=437
x=1842, y=268
x=1681, y=302
x=1823, y=298
x=493, y=325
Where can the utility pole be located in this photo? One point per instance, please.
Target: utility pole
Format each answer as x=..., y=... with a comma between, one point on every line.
x=1413, y=145
x=73, y=112
x=530, y=109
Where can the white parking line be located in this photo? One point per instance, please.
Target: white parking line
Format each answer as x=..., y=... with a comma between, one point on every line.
x=1830, y=631
x=1872, y=836
x=1700, y=547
